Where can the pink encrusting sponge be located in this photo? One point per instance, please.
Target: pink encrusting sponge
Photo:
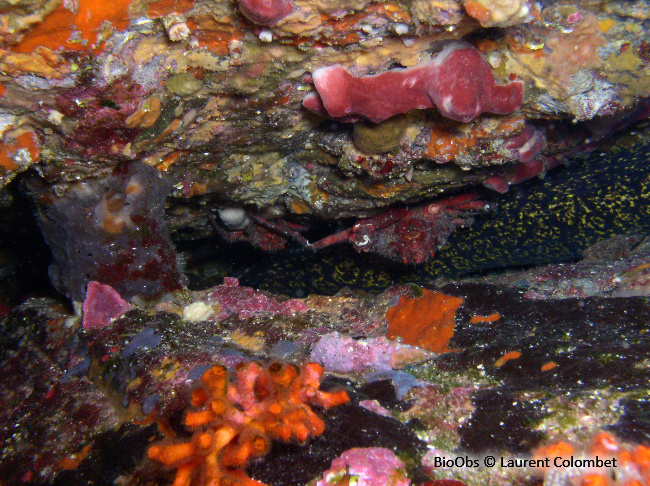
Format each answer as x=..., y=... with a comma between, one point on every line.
x=458, y=81
x=265, y=12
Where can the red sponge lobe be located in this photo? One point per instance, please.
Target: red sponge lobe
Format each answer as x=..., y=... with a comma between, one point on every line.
x=265, y=12
x=458, y=81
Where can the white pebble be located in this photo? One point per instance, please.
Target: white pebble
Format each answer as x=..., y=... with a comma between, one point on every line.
x=401, y=29
x=197, y=312
x=234, y=218
x=266, y=35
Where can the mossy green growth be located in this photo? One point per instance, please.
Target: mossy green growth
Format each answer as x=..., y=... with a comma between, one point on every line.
x=448, y=380
x=574, y=418
x=446, y=403
x=183, y=84
x=416, y=291
x=379, y=138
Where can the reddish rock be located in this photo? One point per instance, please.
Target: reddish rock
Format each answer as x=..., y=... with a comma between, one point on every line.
x=248, y=302
x=102, y=305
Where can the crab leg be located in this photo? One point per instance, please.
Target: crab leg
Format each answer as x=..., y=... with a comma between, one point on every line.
x=340, y=237
x=290, y=232
x=365, y=225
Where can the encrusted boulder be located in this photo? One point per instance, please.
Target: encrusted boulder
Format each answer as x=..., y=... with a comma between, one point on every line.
x=259, y=107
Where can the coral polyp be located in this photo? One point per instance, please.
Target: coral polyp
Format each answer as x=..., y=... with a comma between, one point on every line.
x=235, y=421
x=595, y=463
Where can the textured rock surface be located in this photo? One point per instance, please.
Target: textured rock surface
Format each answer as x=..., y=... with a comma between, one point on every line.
x=211, y=93
x=530, y=365
x=129, y=121
x=109, y=230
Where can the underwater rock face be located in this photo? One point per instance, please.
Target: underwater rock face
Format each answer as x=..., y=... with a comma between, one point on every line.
x=527, y=370
x=213, y=95
x=111, y=231
x=148, y=117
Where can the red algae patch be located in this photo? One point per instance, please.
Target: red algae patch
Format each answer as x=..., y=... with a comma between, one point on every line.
x=101, y=305
x=427, y=321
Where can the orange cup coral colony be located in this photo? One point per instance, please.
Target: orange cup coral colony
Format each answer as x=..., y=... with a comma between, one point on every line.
x=234, y=420
x=605, y=461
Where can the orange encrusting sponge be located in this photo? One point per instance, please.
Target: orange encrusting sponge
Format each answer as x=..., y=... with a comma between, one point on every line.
x=235, y=420
x=426, y=321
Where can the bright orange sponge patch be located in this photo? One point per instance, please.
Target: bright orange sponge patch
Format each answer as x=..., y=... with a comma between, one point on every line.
x=426, y=322
x=57, y=29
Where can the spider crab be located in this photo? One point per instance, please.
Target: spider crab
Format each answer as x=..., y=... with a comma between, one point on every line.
x=410, y=235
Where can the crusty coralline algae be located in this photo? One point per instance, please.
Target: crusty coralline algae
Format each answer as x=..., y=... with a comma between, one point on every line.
x=343, y=354
x=459, y=82
x=235, y=421
x=369, y=466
